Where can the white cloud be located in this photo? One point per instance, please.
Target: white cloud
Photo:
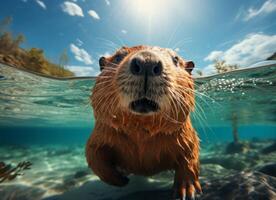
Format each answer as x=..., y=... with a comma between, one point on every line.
x=84, y=70
x=72, y=9
x=214, y=55
x=124, y=31
x=253, y=48
x=268, y=7
x=41, y=4
x=210, y=69
x=177, y=49
x=81, y=55
x=107, y=2
x=105, y=54
x=93, y=14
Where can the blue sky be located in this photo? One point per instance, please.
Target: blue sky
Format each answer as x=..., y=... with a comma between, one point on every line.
x=240, y=32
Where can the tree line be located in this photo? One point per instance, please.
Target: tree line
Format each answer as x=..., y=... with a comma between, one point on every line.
x=32, y=59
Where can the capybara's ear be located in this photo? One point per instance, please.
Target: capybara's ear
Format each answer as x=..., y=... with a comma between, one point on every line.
x=102, y=62
x=189, y=66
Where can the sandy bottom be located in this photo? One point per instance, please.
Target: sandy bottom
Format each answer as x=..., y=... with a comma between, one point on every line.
x=60, y=172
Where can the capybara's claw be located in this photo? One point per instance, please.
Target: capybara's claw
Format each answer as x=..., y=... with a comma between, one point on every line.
x=197, y=187
x=187, y=191
x=191, y=197
x=180, y=198
x=179, y=193
x=190, y=191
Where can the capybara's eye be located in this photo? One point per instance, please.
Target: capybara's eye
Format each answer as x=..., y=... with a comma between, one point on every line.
x=118, y=58
x=175, y=60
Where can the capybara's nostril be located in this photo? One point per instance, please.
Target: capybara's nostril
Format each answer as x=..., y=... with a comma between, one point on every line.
x=157, y=69
x=136, y=67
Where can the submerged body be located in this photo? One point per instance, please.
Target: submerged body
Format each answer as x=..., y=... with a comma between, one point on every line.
x=142, y=101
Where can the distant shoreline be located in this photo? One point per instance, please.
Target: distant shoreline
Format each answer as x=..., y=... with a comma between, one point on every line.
x=49, y=76
x=200, y=78
x=19, y=63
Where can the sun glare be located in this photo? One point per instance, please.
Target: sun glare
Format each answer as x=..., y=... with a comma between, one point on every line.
x=150, y=7
x=159, y=18
x=146, y=10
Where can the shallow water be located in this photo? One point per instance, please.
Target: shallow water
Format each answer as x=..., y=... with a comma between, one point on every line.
x=47, y=121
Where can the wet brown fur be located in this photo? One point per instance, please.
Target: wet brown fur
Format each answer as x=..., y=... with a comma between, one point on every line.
x=143, y=145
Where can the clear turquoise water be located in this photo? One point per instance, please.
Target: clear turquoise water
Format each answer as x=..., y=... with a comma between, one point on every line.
x=38, y=107
x=47, y=121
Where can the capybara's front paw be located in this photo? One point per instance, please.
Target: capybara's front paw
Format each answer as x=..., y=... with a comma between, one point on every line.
x=115, y=179
x=121, y=181
x=187, y=190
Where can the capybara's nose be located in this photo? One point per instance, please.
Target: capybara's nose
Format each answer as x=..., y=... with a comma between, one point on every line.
x=146, y=66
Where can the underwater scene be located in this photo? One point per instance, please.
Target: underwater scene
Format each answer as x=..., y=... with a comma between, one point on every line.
x=46, y=122
x=137, y=100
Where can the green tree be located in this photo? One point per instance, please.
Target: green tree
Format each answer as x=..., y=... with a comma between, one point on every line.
x=221, y=66
x=63, y=59
x=18, y=40
x=4, y=24
x=35, y=59
x=6, y=43
x=199, y=72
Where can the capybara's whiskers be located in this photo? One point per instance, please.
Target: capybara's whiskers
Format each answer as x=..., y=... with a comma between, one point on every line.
x=208, y=97
x=105, y=98
x=167, y=116
x=186, y=91
x=121, y=41
x=172, y=104
x=181, y=43
x=173, y=34
x=199, y=114
x=182, y=105
x=105, y=82
x=179, y=103
x=202, y=96
x=109, y=43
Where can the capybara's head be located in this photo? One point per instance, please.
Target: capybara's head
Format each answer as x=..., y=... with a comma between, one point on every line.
x=144, y=82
